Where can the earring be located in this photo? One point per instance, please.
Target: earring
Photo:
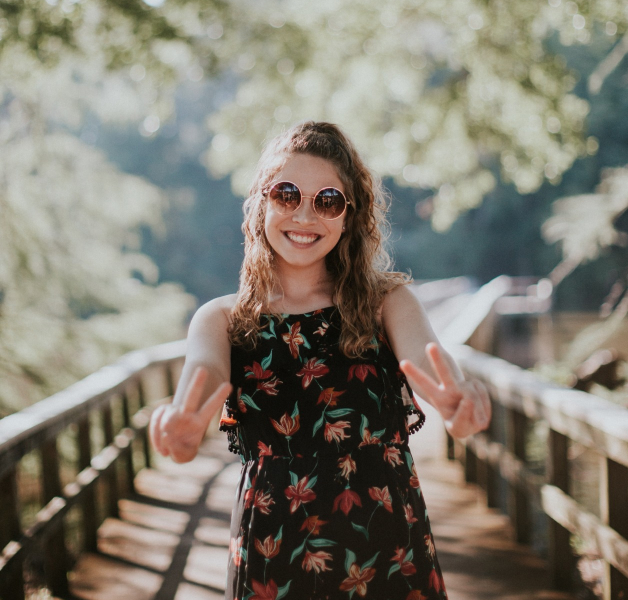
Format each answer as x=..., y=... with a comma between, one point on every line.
x=343, y=228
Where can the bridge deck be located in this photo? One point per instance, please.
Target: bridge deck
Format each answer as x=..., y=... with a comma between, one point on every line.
x=172, y=538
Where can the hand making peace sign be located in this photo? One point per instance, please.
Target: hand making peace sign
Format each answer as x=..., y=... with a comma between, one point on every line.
x=464, y=405
x=177, y=430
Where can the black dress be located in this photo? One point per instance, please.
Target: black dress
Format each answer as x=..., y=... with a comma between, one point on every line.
x=329, y=504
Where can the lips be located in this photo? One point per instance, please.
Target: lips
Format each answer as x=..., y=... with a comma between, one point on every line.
x=301, y=238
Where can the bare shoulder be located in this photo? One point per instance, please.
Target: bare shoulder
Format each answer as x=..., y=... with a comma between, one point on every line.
x=399, y=302
x=214, y=312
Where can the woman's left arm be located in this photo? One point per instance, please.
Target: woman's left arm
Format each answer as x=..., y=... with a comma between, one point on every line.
x=432, y=373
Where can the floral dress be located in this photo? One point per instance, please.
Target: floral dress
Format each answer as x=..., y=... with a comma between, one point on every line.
x=329, y=504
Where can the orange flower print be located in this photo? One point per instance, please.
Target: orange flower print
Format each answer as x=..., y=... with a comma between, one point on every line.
x=313, y=524
x=347, y=466
x=414, y=480
x=264, y=450
x=406, y=567
x=322, y=330
x=367, y=439
x=315, y=561
x=294, y=339
x=382, y=495
x=235, y=547
x=429, y=546
x=396, y=439
x=336, y=431
x=269, y=548
x=410, y=518
x=312, y=369
x=263, y=502
x=270, y=386
x=329, y=396
x=264, y=592
x=392, y=455
x=225, y=419
x=255, y=371
x=357, y=580
x=287, y=425
x=299, y=494
x=345, y=501
x=435, y=581
x=241, y=403
x=361, y=372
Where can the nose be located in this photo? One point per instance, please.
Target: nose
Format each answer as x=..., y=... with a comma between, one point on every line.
x=305, y=213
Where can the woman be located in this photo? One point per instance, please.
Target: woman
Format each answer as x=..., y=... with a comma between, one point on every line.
x=329, y=503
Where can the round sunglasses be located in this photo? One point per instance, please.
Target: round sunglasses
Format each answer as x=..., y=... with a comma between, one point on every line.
x=328, y=203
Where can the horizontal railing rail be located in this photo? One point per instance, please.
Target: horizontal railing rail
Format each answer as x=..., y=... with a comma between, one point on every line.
x=499, y=458
x=104, y=416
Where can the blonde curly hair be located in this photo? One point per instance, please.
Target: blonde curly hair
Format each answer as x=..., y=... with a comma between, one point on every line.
x=359, y=264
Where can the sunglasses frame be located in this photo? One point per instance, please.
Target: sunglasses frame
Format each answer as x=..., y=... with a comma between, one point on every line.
x=329, y=187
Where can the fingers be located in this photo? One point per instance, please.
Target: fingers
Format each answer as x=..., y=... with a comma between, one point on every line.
x=194, y=392
x=441, y=367
x=459, y=425
x=155, y=429
x=215, y=401
x=473, y=413
x=420, y=381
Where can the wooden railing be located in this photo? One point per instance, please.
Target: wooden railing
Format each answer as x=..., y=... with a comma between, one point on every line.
x=499, y=461
x=100, y=425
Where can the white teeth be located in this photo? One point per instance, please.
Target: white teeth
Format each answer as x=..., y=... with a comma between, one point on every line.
x=301, y=239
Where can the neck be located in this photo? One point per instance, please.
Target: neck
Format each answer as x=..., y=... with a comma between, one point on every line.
x=302, y=289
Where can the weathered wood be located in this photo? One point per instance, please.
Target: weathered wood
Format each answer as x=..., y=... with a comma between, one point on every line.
x=13, y=583
x=111, y=477
x=518, y=506
x=585, y=418
x=141, y=398
x=56, y=563
x=470, y=465
x=563, y=509
x=560, y=555
x=129, y=469
x=614, y=512
x=88, y=504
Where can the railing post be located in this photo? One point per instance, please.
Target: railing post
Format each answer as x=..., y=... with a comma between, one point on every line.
x=470, y=465
x=10, y=530
x=518, y=506
x=55, y=551
x=90, y=520
x=614, y=512
x=141, y=397
x=560, y=555
x=111, y=477
x=129, y=469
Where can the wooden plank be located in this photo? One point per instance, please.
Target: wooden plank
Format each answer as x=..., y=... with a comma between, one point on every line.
x=56, y=563
x=563, y=509
x=593, y=421
x=111, y=477
x=13, y=582
x=518, y=505
x=88, y=504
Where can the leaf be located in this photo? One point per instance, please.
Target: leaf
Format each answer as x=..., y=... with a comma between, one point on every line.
x=321, y=543
x=394, y=569
x=409, y=460
x=249, y=401
x=379, y=433
x=295, y=412
x=298, y=551
x=312, y=482
x=375, y=397
x=370, y=562
x=363, y=425
x=361, y=529
x=349, y=559
x=266, y=362
x=318, y=425
x=283, y=590
x=266, y=335
x=271, y=327
x=410, y=554
x=278, y=536
x=339, y=412
x=306, y=344
x=294, y=478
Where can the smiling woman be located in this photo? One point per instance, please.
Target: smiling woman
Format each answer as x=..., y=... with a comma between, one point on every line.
x=329, y=503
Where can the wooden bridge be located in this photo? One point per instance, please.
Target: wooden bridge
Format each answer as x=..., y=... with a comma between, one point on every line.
x=88, y=512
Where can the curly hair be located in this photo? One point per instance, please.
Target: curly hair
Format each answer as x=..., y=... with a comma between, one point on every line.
x=359, y=264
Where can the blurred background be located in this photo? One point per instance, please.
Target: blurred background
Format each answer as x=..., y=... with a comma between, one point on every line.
x=130, y=129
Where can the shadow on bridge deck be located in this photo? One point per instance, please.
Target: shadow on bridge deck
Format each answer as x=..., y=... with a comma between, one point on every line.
x=171, y=540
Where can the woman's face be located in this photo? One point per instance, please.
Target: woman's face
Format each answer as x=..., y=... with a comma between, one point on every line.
x=302, y=238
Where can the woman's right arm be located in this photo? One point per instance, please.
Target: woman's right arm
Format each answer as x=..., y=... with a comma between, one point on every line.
x=177, y=429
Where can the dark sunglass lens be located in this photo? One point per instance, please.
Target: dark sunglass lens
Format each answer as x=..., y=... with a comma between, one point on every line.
x=286, y=197
x=329, y=203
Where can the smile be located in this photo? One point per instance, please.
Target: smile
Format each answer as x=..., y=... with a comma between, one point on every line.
x=301, y=238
